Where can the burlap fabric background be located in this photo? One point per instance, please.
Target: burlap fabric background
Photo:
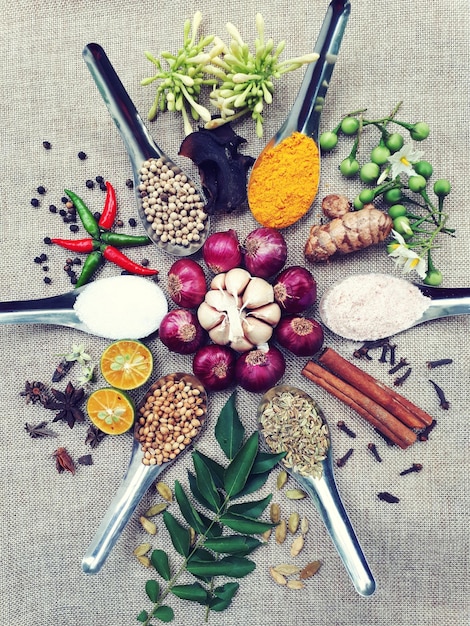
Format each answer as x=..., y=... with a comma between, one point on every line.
x=418, y=549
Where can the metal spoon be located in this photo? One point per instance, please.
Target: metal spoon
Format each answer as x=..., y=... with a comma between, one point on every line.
x=134, y=485
x=139, y=144
x=444, y=302
x=304, y=117
x=325, y=495
x=59, y=310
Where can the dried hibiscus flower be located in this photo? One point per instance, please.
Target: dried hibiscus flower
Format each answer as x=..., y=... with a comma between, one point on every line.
x=222, y=169
x=66, y=404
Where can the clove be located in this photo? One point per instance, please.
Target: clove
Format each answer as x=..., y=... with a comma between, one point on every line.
x=393, y=349
x=383, y=355
x=342, y=426
x=432, y=364
x=416, y=467
x=375, y=453
x=401, y=379
x=424, y=434
x=388, y=497
x=343, y=460
x=443, y=402
x=401, y=363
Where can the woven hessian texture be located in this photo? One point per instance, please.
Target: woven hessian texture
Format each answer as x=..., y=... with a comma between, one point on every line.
x=415, y=52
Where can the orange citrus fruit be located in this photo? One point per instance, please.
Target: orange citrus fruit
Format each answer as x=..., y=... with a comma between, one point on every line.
x=111, y=410
x=126, y=364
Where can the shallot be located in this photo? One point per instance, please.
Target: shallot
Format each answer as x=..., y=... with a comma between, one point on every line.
x=186, y=283
x=300, y=335
x=258, y=370
x=181, y=332
x=215, y=366
x=295, y=289
x=264, y=252
x=221, y=251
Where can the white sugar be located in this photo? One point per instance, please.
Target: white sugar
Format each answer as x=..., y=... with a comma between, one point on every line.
x=121, y=307
x=372, y=306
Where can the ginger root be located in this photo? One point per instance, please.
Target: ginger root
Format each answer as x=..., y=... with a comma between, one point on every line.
x=335, y=205
x=353, y=231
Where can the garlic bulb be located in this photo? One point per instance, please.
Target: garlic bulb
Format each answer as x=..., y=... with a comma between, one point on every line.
x=239, y=310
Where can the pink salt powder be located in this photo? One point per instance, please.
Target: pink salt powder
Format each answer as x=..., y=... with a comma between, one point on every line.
x=365, y=307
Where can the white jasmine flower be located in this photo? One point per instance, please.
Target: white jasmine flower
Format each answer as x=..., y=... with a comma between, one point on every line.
x=402, y=161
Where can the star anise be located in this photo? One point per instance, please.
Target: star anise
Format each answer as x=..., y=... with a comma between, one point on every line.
x=39, y=430
x=67, y=405
x=35, y=392
x=94, y=436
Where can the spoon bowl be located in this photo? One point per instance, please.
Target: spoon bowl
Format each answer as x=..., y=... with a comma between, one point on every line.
x=139, y=144
x=324, y=493
x=135, y=483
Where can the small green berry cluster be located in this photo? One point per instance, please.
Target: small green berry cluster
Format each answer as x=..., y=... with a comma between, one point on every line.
x=241, y=80
x=397, y=176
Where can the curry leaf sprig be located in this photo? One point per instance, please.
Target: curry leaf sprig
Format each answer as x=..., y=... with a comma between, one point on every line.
x=220, y=542
x=396, y=174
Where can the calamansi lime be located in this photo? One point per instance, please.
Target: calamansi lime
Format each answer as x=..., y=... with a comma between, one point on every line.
x=126, y=364
x=111, y=410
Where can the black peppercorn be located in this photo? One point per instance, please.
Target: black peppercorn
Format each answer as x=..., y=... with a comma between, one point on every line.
x=130, y=183
x=43, y=257
x=37, y=259
x=34, y=202
x=77, y=261
x=47, y=280
x=47, y=240
x=90, y=184
x=52, y=208
x=82, y=156
x=64, y=200
x=41, y=190
x=103, y=187
x=132, y=222
x=47, y=145
x=45, y=268
x=99, y=179
x=74, y=228
x=62, y=212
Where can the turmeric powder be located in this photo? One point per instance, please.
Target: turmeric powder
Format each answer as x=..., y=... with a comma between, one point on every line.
x=284, y=181
x=353, y=231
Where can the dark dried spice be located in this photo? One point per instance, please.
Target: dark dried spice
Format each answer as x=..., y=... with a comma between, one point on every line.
x=61, y=370
x=343, y=460
x=432, y=364
x=373, y=449
x=67, y=405
x=35, y=392
x=401, y=363
x=94, y=436
x=443, y=402
x=63, y=461
x=39, y=430
x=342, y=426
x=86, y=459
x=416, y=467
x=401, y=379
x=388, y=497
x=424, y=434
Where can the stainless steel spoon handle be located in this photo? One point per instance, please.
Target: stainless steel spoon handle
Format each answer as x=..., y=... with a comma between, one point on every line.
x=133, y=487
x=53, y=310
x=325, y=494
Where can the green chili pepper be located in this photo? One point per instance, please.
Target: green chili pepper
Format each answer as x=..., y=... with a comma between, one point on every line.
x=92, y=262
x=86, y=216
x=121, y=239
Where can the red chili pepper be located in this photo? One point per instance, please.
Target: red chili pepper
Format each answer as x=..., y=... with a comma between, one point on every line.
x=110, y=207
x=77, y=245
x=114, y=255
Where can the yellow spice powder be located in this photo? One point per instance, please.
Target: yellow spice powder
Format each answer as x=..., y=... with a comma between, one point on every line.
x=284, y=181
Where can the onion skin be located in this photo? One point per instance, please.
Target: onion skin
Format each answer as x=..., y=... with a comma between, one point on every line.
x=264, y=252
x=181, y=332
x=214, y=366
x=258, y=370
x=221, y=251
x=186, y=283
x=295, y=289
x=302, y=336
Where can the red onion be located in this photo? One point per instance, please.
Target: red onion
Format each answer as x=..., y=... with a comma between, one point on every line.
x=300, y=335
x=181, y=332
x=265, y=252
x=295, y=289
x=221, y=251
x=187, y=283
x=258, y=370
x=215, y=367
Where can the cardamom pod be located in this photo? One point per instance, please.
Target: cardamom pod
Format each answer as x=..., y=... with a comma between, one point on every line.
x=278, y=578
x=156, y=509
x=281, y=479
x=192, y=536
x=267, y=534
x=293, y=523
x=295, y=584
x=304, y=526
x=275, y=512
x=144, y=560
x=297, y=545
x=142, y=549
x=148, y=526
x=310, y=569
x=286, y=569
x=295, y=494
x=164, y=491
x=281, y=532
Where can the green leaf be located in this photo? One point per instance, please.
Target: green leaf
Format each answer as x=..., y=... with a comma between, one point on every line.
x=251, y=509
x=204, y=556
x=254, y=483
x=195, y=491
x=205, y=483
x=194, y=592
x=223, y=596
x=164, y=613
x=229, y=430
x=233, y=544
x=244, y=524
x=217, y=471
x=179, y=534
x=159, y=560
x=233, y=566
x=239, y=469
x=189, y=513
x=264, y=462
x=152, y=589
x=142, y=616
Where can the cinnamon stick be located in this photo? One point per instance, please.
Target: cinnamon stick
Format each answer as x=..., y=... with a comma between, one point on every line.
x=374, y=413
x=403, y=409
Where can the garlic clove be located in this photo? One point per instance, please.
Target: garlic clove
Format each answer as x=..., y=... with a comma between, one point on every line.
x=220, y=334
x=236, y=281
x=257, y=331
x=269, y=313
x=241, y=344
x=258, y=292
x=208, y=316
x=218, y=299
x=218, y=282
